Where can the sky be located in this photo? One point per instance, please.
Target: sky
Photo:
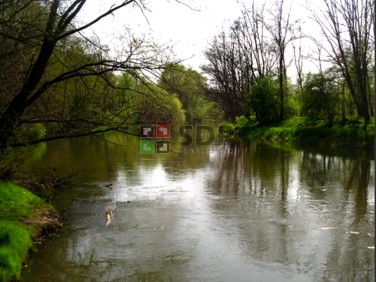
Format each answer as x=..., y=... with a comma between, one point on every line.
x=189, y=30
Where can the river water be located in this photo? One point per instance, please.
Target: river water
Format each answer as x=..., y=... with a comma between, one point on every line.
x=226, y=212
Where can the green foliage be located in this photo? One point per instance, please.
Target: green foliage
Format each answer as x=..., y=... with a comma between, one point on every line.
x=299, y=131
x=336, y=137
x=263, y=99
x=243, y=124
x=65, y=84
x=189, y=86
x=155, y=105
x=292, y=107
x=84, y=103
x=319, y=99
x=33, y=132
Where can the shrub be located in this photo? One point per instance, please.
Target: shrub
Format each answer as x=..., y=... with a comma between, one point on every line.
x=263, y=99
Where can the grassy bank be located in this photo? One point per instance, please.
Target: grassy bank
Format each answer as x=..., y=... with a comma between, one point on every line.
x=297, y=131
x=23, y=216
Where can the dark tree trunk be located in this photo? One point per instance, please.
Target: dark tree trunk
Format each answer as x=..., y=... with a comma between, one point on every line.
x=11, y=116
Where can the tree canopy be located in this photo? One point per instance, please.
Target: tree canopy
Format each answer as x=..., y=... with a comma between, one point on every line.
x=265, y=40
x=52, y=75
x=189, y=86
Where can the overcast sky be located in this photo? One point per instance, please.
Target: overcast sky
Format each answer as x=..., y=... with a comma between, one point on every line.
x=168, y=22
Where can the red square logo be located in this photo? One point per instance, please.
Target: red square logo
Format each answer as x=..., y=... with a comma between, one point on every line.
x=163, y=131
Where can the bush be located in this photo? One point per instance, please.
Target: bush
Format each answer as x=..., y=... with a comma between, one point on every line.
x=319, y=99
x=263, y=99
x=33, y=132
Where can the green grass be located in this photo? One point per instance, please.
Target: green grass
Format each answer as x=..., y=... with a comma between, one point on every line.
x=16, y=205
x=15, y=241
x=17, y=202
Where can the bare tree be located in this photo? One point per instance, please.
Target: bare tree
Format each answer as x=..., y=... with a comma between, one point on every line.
x=223, y=68
x=298, y=58
x=280, y=29
x=254, y=43
x=238, y=59
x=346, y=26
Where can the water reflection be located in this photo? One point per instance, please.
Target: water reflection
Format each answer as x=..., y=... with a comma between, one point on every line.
x=233, y=212
x=296, y=198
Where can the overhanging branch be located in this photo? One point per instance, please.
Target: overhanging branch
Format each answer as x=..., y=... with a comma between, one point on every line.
x=66, y=136
x=65, y=23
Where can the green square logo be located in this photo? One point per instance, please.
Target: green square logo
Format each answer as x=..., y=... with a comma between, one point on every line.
x=147, y=147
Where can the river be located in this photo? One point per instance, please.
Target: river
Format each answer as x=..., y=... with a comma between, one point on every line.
x=231, y=211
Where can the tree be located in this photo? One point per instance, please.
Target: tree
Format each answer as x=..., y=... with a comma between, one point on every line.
x=226, y=77
x=189, y=86
x=298, y=58
x=319, y=99
x=44, y=28
x=157, y=106
x=254, y=43
x=346, y=26
x=264, y=100
x=254, y=48
x=281, y=31
x=236, y=61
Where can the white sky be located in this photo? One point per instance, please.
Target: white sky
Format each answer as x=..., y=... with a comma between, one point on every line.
x=169, y=22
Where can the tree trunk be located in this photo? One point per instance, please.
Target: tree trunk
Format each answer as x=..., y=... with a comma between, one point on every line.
x=11, y=116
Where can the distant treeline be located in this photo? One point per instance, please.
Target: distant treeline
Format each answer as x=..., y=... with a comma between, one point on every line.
x=248, y=63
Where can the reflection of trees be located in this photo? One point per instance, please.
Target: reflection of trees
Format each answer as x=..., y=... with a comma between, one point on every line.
x=263, y=217
x=322, y=175
x=259, y=172
x=317, y=171
x=274, y=227
x=97, y=158
x=229, y=168
x=349, y=259
x=250, y=168
x=270, y=174
x=349, y=251
x=356, y=178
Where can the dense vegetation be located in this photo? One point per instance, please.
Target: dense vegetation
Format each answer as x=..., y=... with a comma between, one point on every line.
x=56, y=82
x=301, y=132
x=248, y=69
